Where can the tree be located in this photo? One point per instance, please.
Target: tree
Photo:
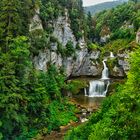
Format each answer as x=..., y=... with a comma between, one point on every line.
x=69, y=49
x=118, y=117
x=10, y=21
x=14, y=76
x=90, y=27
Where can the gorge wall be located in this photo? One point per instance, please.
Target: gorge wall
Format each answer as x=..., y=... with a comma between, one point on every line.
x=82, y=62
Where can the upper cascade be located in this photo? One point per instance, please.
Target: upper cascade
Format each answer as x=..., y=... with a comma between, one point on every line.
x=111, y=55
x=105, y=72
x=99, y=88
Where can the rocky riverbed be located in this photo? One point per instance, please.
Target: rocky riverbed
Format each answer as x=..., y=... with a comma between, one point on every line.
x=85, y=106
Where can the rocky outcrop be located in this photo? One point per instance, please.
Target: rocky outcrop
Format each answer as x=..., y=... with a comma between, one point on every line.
x=82, y=62
x=85, y=64
x=63, y=32
x=119, y=65
x=36, y=22
x=104, y=38
x=88, y=65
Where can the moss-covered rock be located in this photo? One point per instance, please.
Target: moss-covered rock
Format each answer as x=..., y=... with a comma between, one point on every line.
x=76, y=85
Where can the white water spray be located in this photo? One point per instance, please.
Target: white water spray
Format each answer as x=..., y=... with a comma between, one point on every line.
x=99, y=88
x=111, y=55
x=85, y=91
x=105, y=72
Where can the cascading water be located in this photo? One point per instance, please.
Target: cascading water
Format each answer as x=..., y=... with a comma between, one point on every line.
x=105, y=72
x=111, y=55
x=85, y=91
x=99, y=88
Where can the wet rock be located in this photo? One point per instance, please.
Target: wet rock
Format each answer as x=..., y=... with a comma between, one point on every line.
x=84, y=110
x=90, y=110
x=118, y=72
x=84, y=120
x=84, y=113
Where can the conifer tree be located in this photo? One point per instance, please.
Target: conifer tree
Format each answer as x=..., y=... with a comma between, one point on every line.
x=10, y=21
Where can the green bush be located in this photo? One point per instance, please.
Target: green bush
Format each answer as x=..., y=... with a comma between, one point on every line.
x=70, y=50
x=93, y=47
x=75, y=86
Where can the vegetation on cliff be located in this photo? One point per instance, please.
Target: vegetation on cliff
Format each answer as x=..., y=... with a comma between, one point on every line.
x=32, y=101
x=118, y=117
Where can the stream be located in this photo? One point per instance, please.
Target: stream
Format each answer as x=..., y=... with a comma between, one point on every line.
x=87, y=102
x=86, y=105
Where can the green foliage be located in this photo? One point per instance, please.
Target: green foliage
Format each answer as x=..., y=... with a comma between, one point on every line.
x=69, y=49
x=13, y=100
x=89, y=27
x=20, y=53
x=118, y=45
x=10, y=22
x=48, y=10
x=119, y=115
x=75, y=86
x=46, y=103
x=14, y=19
x=60, y=49
x=123, y=33
x=122, y=21
x=93, y=47
x=76, y=25
x=32, y=101
x=39, y=40
x=58, y=115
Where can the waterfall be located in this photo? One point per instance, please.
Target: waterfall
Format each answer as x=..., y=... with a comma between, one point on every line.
x=85, y=91
x=99, y=88
x=105, y=71
x=111, y=55
x=96, y=89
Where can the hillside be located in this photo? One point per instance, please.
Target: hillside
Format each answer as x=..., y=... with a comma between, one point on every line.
x=118, y=117
x=103, y=6
x=46, y=47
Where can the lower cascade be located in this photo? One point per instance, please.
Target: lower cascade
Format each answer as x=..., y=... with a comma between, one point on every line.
x=99, y=88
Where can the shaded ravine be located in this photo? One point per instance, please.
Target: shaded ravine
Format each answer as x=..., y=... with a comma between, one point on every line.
x=85, y=103
x=84, y=112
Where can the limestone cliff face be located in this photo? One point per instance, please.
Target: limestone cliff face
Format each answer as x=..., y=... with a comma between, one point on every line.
x=121, y=65
x=36, y=22
x=84, y=63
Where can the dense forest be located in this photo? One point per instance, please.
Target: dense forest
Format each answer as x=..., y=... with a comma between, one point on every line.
x=33, y=102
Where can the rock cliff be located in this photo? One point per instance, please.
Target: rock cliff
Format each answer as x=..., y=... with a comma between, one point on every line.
x=82, y=62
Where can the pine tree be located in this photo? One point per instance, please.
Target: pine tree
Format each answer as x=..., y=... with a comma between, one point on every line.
x=10, y=22
x=13, y=78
